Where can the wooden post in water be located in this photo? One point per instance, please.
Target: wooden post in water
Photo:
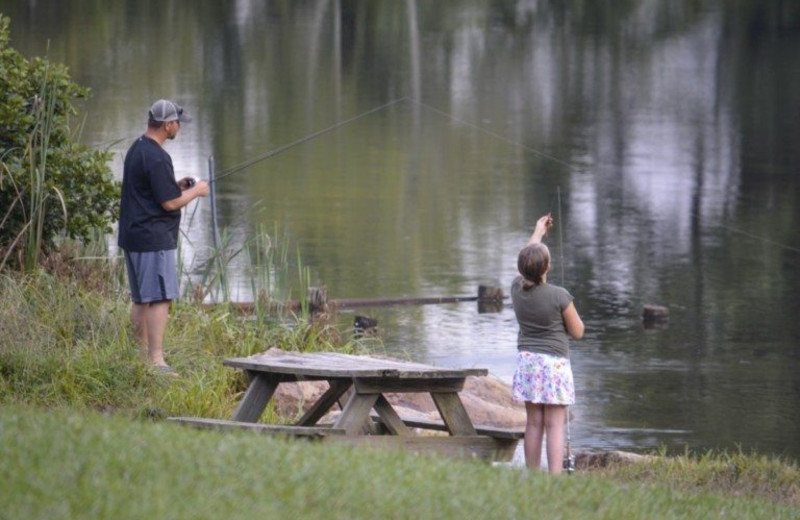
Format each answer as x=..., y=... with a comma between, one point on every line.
x=490, y=299
x=655, y=316
x=317, y=300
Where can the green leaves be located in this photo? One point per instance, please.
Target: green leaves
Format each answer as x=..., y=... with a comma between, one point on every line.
x=50, y=184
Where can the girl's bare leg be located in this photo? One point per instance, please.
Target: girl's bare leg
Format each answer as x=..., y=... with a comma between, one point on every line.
x=534, y=431
x=554, y=420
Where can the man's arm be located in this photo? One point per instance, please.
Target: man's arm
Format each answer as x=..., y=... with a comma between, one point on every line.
x=200, y=189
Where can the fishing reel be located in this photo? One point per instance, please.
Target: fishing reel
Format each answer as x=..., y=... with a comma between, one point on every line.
x=191, y=181
x=569, y=464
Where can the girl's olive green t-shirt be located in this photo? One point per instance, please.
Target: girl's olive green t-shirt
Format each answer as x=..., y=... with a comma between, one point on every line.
x=541, y=324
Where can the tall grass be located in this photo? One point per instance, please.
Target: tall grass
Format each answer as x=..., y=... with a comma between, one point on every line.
x=267, y=272
x=66, y=340
x=31, y=235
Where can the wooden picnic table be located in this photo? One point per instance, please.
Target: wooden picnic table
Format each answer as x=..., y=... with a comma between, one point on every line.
x=362, y=383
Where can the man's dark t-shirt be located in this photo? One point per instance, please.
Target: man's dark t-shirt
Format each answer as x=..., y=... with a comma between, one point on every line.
x=148, y=180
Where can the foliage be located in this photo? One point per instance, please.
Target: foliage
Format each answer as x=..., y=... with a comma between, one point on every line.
x=49, y=183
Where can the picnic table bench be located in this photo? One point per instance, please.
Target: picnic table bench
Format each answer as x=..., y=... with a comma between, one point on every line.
x=362, y=383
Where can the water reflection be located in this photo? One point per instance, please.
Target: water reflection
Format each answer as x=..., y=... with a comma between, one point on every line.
x=662, y=125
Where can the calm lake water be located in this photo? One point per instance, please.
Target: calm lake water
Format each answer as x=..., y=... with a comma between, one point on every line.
x=663, y=136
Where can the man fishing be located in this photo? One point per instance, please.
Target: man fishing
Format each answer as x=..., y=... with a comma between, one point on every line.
x=149, y=221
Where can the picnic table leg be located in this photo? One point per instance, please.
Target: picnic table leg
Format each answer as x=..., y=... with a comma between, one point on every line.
x=390, y=418
x=256, y=397
x=337, y=388
x=453, y=413
x=356, y=412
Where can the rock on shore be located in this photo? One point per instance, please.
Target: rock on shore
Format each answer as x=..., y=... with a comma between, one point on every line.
x=487, y=400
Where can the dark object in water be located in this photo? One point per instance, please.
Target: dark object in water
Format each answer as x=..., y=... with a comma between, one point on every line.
x=365, y=325
x=655, y=316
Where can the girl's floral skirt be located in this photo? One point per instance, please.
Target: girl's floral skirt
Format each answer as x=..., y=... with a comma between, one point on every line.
x=543, y=379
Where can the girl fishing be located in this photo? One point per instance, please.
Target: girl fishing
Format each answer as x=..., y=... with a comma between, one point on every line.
x=543, y=378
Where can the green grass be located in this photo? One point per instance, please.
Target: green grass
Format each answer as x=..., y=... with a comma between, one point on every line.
x=730, y=474
x=67, y=464
x=82, y=434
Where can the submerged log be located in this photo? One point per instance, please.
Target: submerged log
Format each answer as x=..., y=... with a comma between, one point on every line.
x=318, y=301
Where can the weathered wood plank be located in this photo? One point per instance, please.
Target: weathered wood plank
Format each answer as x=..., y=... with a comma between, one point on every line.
x=390, y=418
x=453, y=413
x=255, y=399
x=477, y=446
x=331, y=364
x=491, y=431
x=338, y=387
x=372, y=385
x=275, y=429
x=356, y=413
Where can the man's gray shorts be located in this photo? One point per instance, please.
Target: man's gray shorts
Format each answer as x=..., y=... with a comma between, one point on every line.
x=152, y=275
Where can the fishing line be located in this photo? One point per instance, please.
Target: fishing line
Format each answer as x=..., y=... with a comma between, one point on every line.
x=255, y=160
x=494, y=134
x=575, y=169
x=272, y=153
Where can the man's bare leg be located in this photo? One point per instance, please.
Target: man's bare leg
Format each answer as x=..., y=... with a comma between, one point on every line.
x=156, y=317
x=150, y=324
x=139, y=323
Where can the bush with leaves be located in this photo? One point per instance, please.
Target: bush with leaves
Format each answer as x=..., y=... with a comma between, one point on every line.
x=50, y=184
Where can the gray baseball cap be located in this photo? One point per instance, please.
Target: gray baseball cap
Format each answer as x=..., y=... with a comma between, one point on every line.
x=165, y=110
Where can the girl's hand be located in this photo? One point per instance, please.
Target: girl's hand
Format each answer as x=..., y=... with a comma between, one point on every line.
x=543, y=225
x=546, y=222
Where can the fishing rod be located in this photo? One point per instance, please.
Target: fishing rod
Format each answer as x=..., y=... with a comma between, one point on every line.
x=569, y=460
x=213, y=177
x=497, y=135
x=272, y=153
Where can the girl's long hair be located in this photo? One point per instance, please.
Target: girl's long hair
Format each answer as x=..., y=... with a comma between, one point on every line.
x=533, y=263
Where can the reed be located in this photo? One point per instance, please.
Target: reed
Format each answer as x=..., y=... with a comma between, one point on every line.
x=37, y=189
x=266, y=273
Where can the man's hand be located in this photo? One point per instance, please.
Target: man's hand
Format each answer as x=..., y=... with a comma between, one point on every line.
x=199, y=189
x=186, y=183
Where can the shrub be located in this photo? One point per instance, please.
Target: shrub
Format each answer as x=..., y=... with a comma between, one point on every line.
x=50, y=184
